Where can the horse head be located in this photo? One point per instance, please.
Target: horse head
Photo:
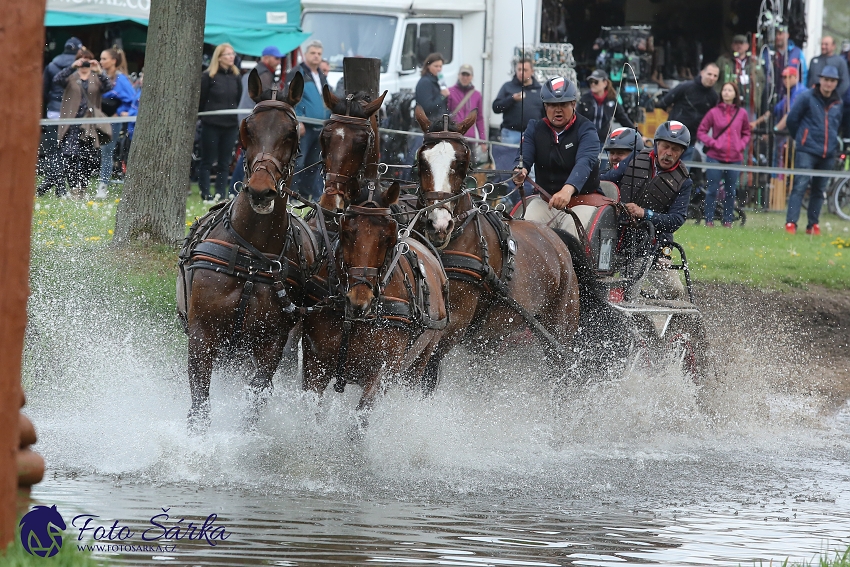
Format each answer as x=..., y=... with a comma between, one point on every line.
x=348, y=143
x=444, y=161
x=368, y=235
x=270, y=138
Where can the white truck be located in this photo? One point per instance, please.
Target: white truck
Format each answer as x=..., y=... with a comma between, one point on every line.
x=401, y=33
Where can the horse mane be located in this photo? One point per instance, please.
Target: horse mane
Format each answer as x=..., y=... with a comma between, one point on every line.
x=353, y=109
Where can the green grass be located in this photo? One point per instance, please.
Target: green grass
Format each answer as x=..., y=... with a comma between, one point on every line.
x=837, y=559
x=69, y=556
x=763, y=255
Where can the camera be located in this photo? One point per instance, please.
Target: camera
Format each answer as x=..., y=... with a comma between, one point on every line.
x=85, y=64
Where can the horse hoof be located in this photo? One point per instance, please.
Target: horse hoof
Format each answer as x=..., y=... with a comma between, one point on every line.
x=198, y=421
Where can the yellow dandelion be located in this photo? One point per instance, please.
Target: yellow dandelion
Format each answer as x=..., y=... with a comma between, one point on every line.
x=117, y=200
x=90, y=203
x=111, y=232
x=704, y=266
x=708, y=247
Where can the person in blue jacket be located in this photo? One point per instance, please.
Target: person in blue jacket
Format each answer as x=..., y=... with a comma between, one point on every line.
x=116, y=102
x=814, y=121
x=564, y=148
x=308, y=183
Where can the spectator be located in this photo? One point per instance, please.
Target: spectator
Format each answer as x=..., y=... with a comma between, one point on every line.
x=813, y=122
x=601, y=103
x=84, y=82
x=308, y=183
x=116, y=102
x=325, y=67
x=463, y=99
x=523, y=87
x=742, y=67
x=784, y=54
x=53, y=99
x=725, y=132
x=622, y=145
x=792, y=89
x=431, y=95
x=266, y=69
x=221, y=89
x=845, y=125
x=691, y=101
x=828, y=57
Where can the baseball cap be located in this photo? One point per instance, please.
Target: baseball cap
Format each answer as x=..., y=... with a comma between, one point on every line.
x=73, y=44
x=789, y=71
x=273, y=51
x=739, y=38
x=830, y=72
x=465, y=69
x=599, y=75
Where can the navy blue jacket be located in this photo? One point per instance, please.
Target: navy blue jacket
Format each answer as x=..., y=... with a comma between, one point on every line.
x=586, y=158
x=311, y=105
x=429, y=97
x=519, y=113
x=52, y=93
x=814, y=122
x=666, y=222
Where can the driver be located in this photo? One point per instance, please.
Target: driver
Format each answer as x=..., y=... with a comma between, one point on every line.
x=654, y=184
x=620, y=145
x=564, y=148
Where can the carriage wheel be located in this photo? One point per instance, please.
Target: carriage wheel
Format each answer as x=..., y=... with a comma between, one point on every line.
x=686, y=340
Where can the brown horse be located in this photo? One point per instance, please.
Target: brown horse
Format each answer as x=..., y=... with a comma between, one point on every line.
x=394, y=306
x=350, y=146
x=504, y=274
x=247, y=264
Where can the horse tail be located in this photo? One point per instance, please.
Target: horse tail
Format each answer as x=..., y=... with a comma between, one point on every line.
x=590, y=291
x=605, y=334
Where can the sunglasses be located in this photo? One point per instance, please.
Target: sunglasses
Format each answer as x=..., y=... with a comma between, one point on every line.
x=466, y=74
x=593, y=81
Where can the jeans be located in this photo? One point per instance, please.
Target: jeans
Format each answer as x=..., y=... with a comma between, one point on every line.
x=217, y=143
x=309, y=183
x=238, y=173
x=107, y=154
x=504, y=159
x=804, y=160
x=730, y=187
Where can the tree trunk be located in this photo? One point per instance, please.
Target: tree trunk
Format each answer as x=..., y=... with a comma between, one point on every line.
x=21, y=41
x=153, y=204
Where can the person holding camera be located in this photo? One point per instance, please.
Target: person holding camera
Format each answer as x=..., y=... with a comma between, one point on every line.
x=116, y=102
x=600, y=105
x=84, y=82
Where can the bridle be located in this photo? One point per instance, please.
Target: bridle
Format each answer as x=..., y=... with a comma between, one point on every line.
x=335, y=183
x=375, y=278
x=433, y=138
x=279, y=173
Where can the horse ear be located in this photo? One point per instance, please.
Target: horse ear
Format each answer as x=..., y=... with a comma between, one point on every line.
x=331, y=100
x=467, y=123
x=255, y=85
x=373, y=106
x=422, y=118
x=392, y=193
x=296, y=89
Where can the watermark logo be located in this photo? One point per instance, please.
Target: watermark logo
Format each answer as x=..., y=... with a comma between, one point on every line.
x=41, y=531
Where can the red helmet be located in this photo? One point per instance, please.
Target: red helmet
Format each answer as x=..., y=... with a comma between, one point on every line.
x=674, y=132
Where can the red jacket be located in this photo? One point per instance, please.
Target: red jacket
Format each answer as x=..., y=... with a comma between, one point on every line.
x=729, y=146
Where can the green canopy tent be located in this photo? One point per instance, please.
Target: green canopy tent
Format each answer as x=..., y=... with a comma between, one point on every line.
x=248, y=25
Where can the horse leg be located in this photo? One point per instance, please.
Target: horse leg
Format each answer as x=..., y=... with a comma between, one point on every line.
x=201, y=357
x=267, y=358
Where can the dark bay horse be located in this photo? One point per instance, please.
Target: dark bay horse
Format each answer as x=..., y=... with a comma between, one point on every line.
x=497, y=267
x=243, y=268
x=350, y=147
x=394, y=307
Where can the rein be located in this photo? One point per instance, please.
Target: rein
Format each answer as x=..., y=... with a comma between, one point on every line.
x=338, y=179
x=263, y=161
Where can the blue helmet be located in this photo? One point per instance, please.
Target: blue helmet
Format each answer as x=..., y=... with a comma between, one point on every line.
x=674, y=132
x=558, y=89
x=624, y=139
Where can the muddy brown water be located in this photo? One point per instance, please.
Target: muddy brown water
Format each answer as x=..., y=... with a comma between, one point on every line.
x=498, y=468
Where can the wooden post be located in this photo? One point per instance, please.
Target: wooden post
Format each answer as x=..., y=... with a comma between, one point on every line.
x=21, y=42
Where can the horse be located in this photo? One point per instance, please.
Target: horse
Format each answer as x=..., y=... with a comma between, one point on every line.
x=393, y=308
x=504, y=274
x=245, y=263
x=350, y=147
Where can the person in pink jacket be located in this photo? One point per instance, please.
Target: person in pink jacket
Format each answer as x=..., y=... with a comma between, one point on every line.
x=725, y=133
x=461, y=103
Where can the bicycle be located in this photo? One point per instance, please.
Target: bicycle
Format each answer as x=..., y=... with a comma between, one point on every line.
x=696, y=208
x=838, y=190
